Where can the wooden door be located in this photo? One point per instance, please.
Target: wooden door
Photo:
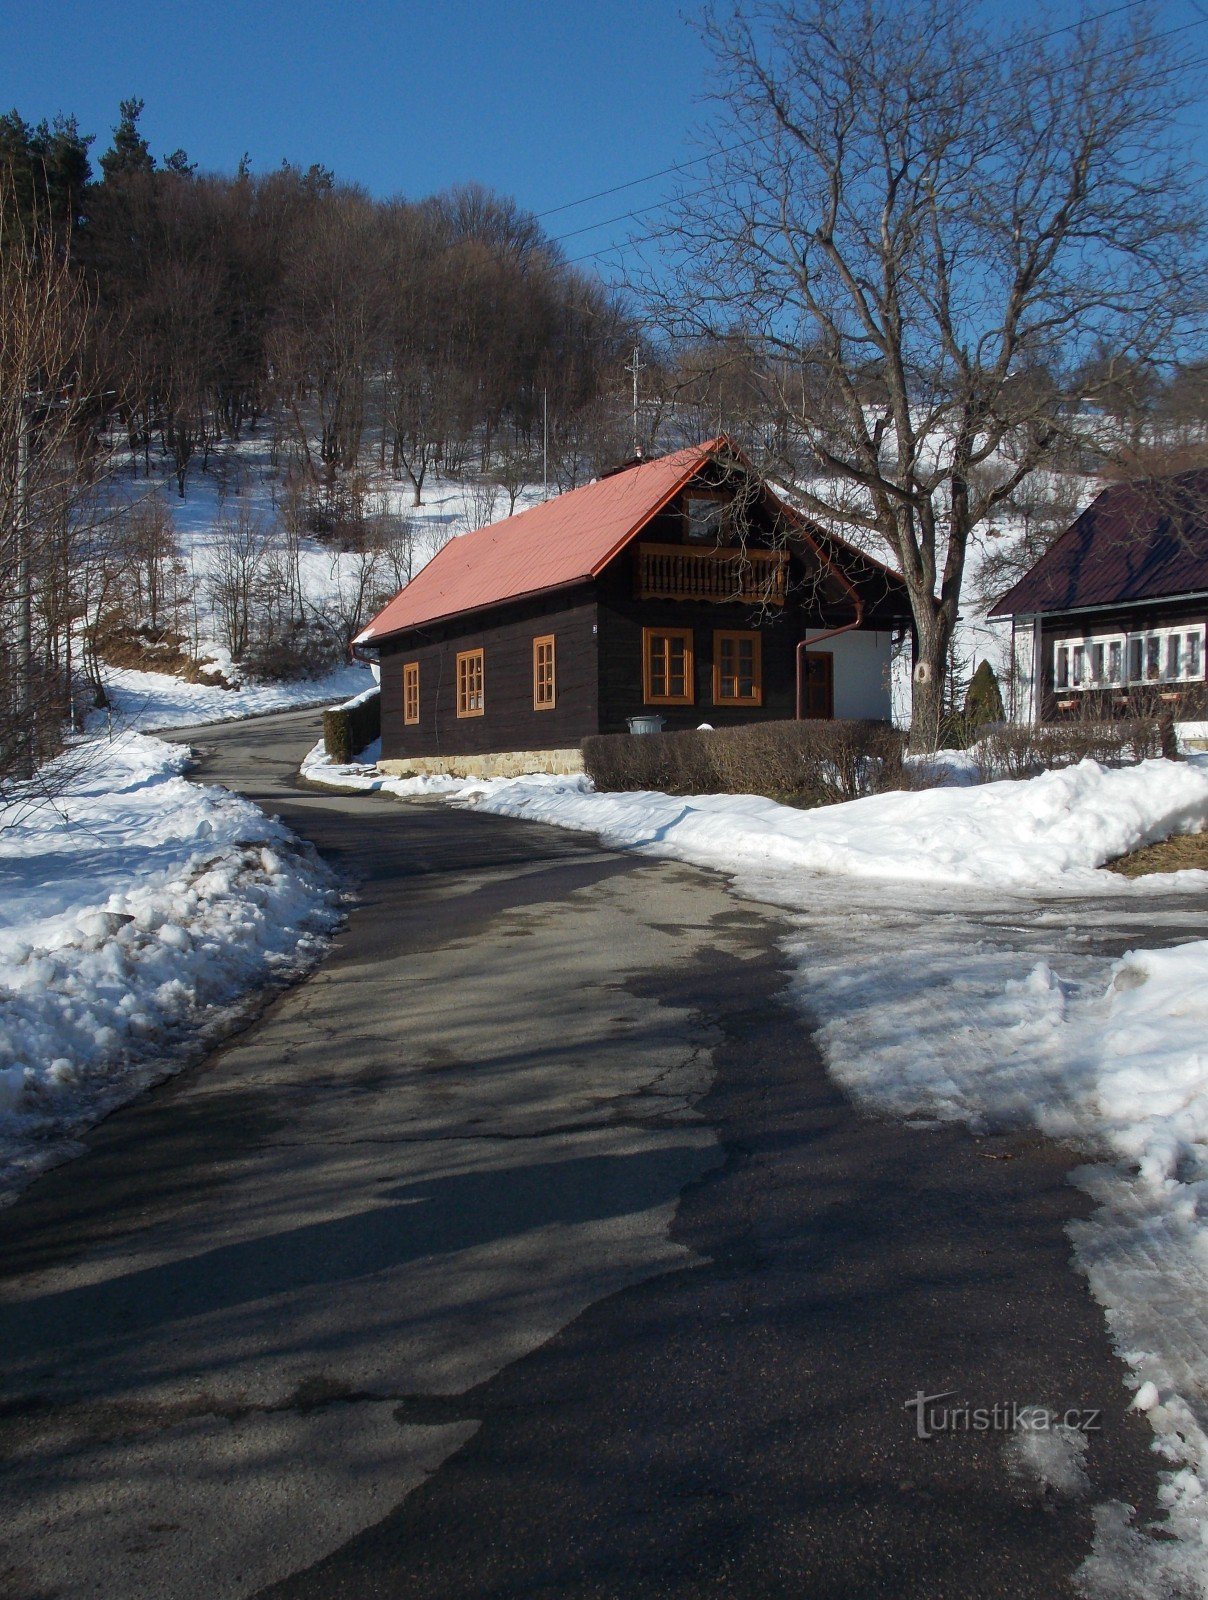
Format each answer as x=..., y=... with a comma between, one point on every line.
x=819, y=697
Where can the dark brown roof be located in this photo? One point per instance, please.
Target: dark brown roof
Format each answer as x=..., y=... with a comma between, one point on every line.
x=1135, y=541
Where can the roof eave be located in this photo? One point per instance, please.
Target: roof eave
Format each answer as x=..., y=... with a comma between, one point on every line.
x=474, y=611
x=1098, y=605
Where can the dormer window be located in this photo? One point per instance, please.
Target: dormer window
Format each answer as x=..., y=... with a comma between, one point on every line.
x=704, y=515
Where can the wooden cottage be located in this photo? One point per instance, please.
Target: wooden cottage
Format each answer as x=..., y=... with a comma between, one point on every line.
x=679, y=588
x=1112, y=617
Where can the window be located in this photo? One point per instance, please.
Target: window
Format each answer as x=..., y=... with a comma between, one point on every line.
x=543, y=673
x=470, y=701
x=667, y=672
x=737, y=669
x=704, y=516
x=1160, y=655
x=410, y=691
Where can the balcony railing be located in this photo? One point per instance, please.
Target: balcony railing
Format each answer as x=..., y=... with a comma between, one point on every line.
x=677, y=572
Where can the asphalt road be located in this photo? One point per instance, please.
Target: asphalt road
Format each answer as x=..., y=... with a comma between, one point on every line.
x=527, y=1249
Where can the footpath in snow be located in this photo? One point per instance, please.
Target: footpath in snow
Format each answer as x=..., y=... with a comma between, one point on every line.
x=939, y=949
x=137, y=912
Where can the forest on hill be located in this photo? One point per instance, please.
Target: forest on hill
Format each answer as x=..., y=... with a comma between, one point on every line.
x=440, y=329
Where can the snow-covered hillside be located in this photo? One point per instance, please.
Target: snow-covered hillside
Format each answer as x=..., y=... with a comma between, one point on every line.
x=243, y=478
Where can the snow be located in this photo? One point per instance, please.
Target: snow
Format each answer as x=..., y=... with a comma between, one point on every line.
x=137, y=912
x=1051, y=832
x=1030, y=1028
x=363, y=775
x=150, y=700
x=1051, y=1459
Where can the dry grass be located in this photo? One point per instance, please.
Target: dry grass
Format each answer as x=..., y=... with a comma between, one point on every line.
x=146, y=650
x=1184, y=851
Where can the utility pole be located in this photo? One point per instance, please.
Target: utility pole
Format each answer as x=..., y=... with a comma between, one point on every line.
x=24, y=599
x=545, y=443
x=635, y=366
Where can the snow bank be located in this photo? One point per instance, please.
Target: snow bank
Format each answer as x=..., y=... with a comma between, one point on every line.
x=149, y=700
x=318, y=767
x=1048, y=833
x=136, y=912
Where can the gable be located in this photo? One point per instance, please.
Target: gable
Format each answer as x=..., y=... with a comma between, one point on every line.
x=574, y=537
x=566, y=540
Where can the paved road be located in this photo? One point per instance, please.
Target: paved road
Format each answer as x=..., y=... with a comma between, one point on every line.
x=527, y=1249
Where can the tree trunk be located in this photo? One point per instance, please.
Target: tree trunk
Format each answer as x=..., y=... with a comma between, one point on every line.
x=927, y=685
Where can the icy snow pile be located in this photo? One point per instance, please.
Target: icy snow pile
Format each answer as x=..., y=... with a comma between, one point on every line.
x=318, y=767
x=136, y=911
x=1047, y=833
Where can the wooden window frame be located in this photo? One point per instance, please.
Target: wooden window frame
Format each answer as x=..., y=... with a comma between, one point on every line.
x=651, y=699
x=463, y=707
x=721, y=636
x=410, y=692
x=721, y=496
x=542, y=640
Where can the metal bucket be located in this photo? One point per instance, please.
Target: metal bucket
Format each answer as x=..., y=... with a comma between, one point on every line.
x=650, y=724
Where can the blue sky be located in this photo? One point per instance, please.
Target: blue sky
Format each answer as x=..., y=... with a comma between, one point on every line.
x=545, y=101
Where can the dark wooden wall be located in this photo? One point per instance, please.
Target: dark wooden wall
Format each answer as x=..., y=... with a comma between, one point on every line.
x=621, y=620
x=509, y=721
x=1174, y=613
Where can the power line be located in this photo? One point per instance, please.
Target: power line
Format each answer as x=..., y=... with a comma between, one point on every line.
x=693, y=194
x=743, y=144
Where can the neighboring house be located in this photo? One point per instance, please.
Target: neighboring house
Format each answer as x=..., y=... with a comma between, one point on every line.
x=678, y=588
x=1113, y=615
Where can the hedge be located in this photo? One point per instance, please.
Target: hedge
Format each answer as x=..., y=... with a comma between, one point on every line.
x=810, y=763
x=349, y=728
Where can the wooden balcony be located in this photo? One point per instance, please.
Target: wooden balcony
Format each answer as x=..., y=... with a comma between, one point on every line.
x=678, y=572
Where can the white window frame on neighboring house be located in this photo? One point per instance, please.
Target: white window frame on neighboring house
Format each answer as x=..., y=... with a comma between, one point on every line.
x=1083, y=662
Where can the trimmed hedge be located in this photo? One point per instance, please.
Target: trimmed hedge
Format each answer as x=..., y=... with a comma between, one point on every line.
x=347, y=729
x=810, y=763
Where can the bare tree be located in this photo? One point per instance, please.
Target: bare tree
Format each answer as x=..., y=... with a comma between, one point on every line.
x=240, y=567
x=911, y=218
x=46, y=438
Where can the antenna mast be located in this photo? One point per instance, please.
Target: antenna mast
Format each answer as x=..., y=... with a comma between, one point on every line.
x=635, y=366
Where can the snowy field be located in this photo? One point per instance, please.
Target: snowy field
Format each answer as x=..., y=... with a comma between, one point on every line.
x=137, y=913
x=949, y=946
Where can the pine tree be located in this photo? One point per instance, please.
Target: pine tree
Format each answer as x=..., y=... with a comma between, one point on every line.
x=129, y=152
x=983, y=700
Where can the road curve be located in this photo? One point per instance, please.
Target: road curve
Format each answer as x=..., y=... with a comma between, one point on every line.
x=524, y=1249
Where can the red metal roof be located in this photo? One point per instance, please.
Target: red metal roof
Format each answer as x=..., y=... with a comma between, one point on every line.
x=1135, y=541
x=566, y=540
